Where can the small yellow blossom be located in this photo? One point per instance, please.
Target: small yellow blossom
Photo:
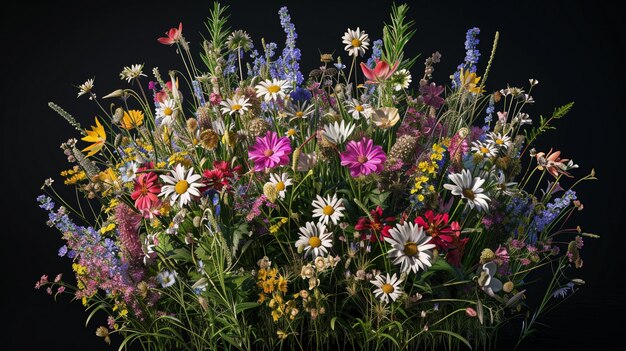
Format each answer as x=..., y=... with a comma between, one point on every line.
x=97, y=136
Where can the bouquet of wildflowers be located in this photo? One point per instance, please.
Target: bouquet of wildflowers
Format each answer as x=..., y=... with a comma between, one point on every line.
x=242, y=204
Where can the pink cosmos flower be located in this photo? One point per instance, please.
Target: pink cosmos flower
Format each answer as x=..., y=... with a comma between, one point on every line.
x=145, y=194
x=173, y=35
x=363, y=157
x=380, y=73
x=270, y=151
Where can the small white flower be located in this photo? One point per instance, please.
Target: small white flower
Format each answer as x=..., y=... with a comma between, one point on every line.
x=281, y=182
x=356, y=42
x=401, y=79
x=180, y=186
x=167, y=278
x=388, y=287
x=522, y=118
x=166, y=112
x=128, y=171
x=299, y=110
x=337, y=133
x=132, y=72
x=291, y=133
x=328, y=209
x=484, y=149
x=235, y=105
x=48, y=182
x=272, y=89
x=358, y=109
x=85, y=88
x=409, y=247
x=385, y=117
x=314, y=239
x=486, y=279
x=533, y=82
x=468, y=188
x=499, y=140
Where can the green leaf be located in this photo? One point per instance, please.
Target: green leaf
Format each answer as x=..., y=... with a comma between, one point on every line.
x=453, y=334
x=378, y=198
x=240, y=307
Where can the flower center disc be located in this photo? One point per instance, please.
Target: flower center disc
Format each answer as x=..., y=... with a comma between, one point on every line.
x=299, y=114
x=362, y=158
x=328, y=210
x=484, y=150
x=356, y=42
x=410, y=248
x=280, y=186
x=273, y=89
x=499, y=141
x=181, y=187
x=387, y=288
x=168, y=111
x=359, y=108
x=236, y=107
x=315, y=241
x=268, y=152
x=468, y=193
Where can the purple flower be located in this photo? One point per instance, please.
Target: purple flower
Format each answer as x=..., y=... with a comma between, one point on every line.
x=270, y=151
x=430, y=95
x=363, y=157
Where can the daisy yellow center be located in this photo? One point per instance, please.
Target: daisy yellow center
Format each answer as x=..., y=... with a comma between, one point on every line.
x=356, y=42
x=359, y=108
x=273, y=89
x=268, y=152
x=315, y=241
x=410, y=248
x=484, y=150
x=236, y=107
x=280, y=186
x=168, y=111
x=328, y=210
x=299, y=114
x=499, y=141
x=469, y=193
x=387, y=288
x=362, y=158
x=181, y=187
x=291, y=132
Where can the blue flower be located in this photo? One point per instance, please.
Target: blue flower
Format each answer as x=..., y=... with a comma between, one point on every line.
x=377, y=53
x=301, y=95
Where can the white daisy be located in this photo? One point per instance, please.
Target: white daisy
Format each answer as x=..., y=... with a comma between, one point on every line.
x=409, y=247
x=298, y=110
x=337, y=133
x=388, y=287
x=272, y=89
x=235, y=105
x=166, y=112
x=128, y=171
x=484, y=149
x=85, y=88
x=499, y=140
x=328, y=208
x=181, y=187
x=401, y=79
x=281, y=182
x=314, y=239
x=469, y=188
x=356, y=42
x=132, y=72
x=291, y=133
x=358, y=109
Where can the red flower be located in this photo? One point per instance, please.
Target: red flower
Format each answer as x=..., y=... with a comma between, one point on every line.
x=380, y=73
x=147, y=189
x=220, y=176
x=376, y=226
x=173, y=35
x=446, y=236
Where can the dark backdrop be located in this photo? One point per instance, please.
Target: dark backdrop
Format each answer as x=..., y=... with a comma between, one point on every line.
x=48, y=49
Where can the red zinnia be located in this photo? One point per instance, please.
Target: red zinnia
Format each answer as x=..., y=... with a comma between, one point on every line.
x=446, y=236
x=377, y=226
x=220, y=176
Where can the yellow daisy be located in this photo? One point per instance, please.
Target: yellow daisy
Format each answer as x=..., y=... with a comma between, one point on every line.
x=97, y=136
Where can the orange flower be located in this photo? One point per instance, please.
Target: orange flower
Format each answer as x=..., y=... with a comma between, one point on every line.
x=97, y=136
x=552, y=163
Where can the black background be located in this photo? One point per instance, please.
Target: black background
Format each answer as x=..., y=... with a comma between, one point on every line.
x=51, y=48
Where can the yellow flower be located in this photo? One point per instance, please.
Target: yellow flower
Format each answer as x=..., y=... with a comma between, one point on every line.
x=132, y=119
x=107, y=228
x=97, y=136
x=469, y=81
x=282, y=284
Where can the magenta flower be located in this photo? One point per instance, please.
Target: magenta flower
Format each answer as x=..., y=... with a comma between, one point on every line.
x=270, y=151
x=363, y=157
